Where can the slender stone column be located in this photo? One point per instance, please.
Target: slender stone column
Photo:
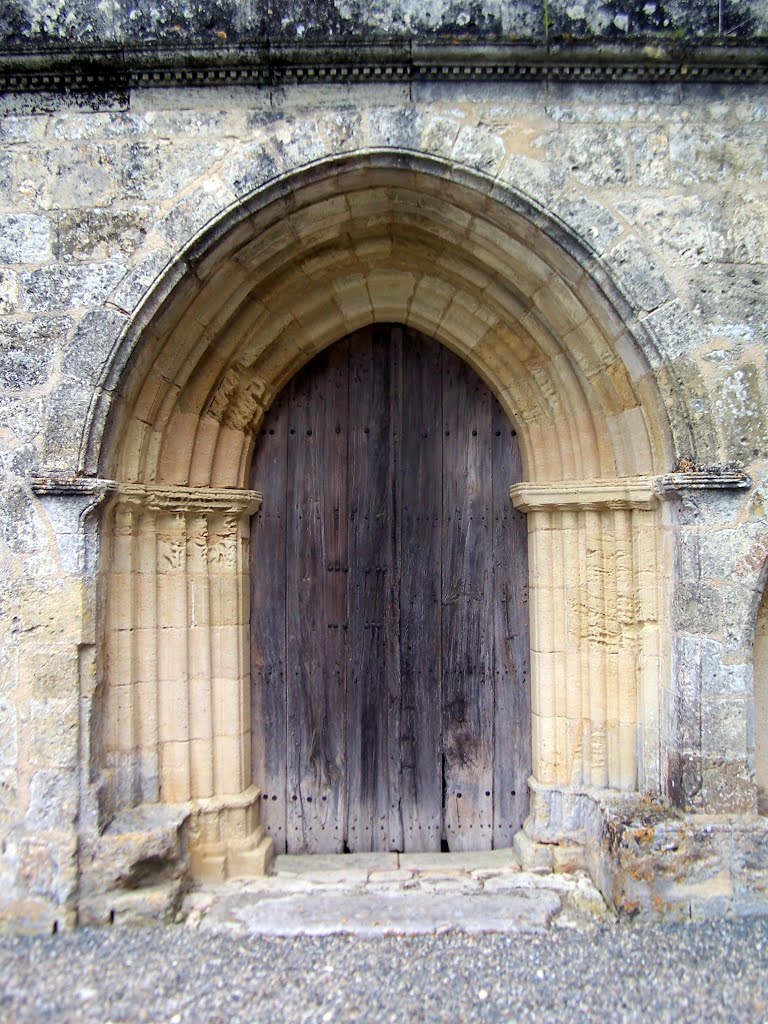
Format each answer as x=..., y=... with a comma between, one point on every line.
x=177, y=695
x=595, y=622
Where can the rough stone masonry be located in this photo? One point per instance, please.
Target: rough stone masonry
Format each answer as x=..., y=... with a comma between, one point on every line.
x=195, y=199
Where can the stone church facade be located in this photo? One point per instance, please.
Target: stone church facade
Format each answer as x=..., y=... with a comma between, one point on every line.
x=573, y=199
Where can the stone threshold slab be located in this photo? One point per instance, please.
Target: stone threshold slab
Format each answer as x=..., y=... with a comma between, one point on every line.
x=351, y=864
x=297, y=865
x=331, y=913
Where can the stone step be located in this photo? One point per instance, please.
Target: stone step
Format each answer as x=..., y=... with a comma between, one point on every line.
x=357, y=868
x=368, y=915
x=149, y=905
x=376, y=894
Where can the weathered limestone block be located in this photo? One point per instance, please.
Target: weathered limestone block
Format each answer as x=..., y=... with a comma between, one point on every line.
x=151, y=171
x=533, y=856
x=53, y=798
x=617, y=19
x=558, y=815
x=27, y=350
x=596, y=157
x=715, y=154
x=673, y=23
x=662, y=863
x=646, y=288
x=650, y=150
x=66, y=288
x=568, y=858
x=647, y=858
x=101, y=234
x=141, y=846
x=39, y=874
x=685, y=229
x=25, y=238
x=135, y=872
x=84, y=175
x=747, y=236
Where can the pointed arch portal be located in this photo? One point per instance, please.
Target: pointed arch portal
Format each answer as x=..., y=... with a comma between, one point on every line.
x=329, y=251
x=389, y=620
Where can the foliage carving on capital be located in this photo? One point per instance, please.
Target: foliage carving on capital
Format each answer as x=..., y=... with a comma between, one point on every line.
x=586, y=495
x=240, y=399
x=185, y=501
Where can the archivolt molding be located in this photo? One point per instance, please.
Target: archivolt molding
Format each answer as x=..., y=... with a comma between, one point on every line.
x=383, y=235
x=431, y=182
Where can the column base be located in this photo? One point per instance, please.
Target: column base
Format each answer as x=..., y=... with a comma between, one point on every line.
x=225, y=839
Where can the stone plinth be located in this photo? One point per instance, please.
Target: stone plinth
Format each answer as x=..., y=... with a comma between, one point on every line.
x=225, y=838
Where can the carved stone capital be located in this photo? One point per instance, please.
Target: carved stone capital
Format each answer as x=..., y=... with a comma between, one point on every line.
x=586, y=495
x=240, y=399
x=190, y=500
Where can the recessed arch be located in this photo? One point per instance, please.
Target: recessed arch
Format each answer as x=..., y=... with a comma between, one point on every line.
x=324, y=252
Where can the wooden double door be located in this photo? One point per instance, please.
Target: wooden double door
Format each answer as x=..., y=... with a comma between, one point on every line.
x=389, y=612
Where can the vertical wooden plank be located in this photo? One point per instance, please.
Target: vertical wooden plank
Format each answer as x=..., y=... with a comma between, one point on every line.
x=512, y=724
x=394, y=336
x=268, y=683
x=370, y=664
x=420, y=474
x=316, y=557
x=467, y=612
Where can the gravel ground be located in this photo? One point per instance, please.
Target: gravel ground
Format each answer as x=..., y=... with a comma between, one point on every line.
x=696, y=972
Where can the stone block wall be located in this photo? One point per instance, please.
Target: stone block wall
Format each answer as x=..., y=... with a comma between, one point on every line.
x=676, y=22
x=664, y=184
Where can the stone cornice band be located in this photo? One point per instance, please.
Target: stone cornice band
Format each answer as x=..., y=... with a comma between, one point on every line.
x=122, y=68
x=583, y=495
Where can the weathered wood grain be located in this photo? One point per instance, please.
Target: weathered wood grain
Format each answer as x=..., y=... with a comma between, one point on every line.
x=512, y=718
x=467, y=610
x=420, y=611
x=269, y=696
x=372, y=672
x=316, y=553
